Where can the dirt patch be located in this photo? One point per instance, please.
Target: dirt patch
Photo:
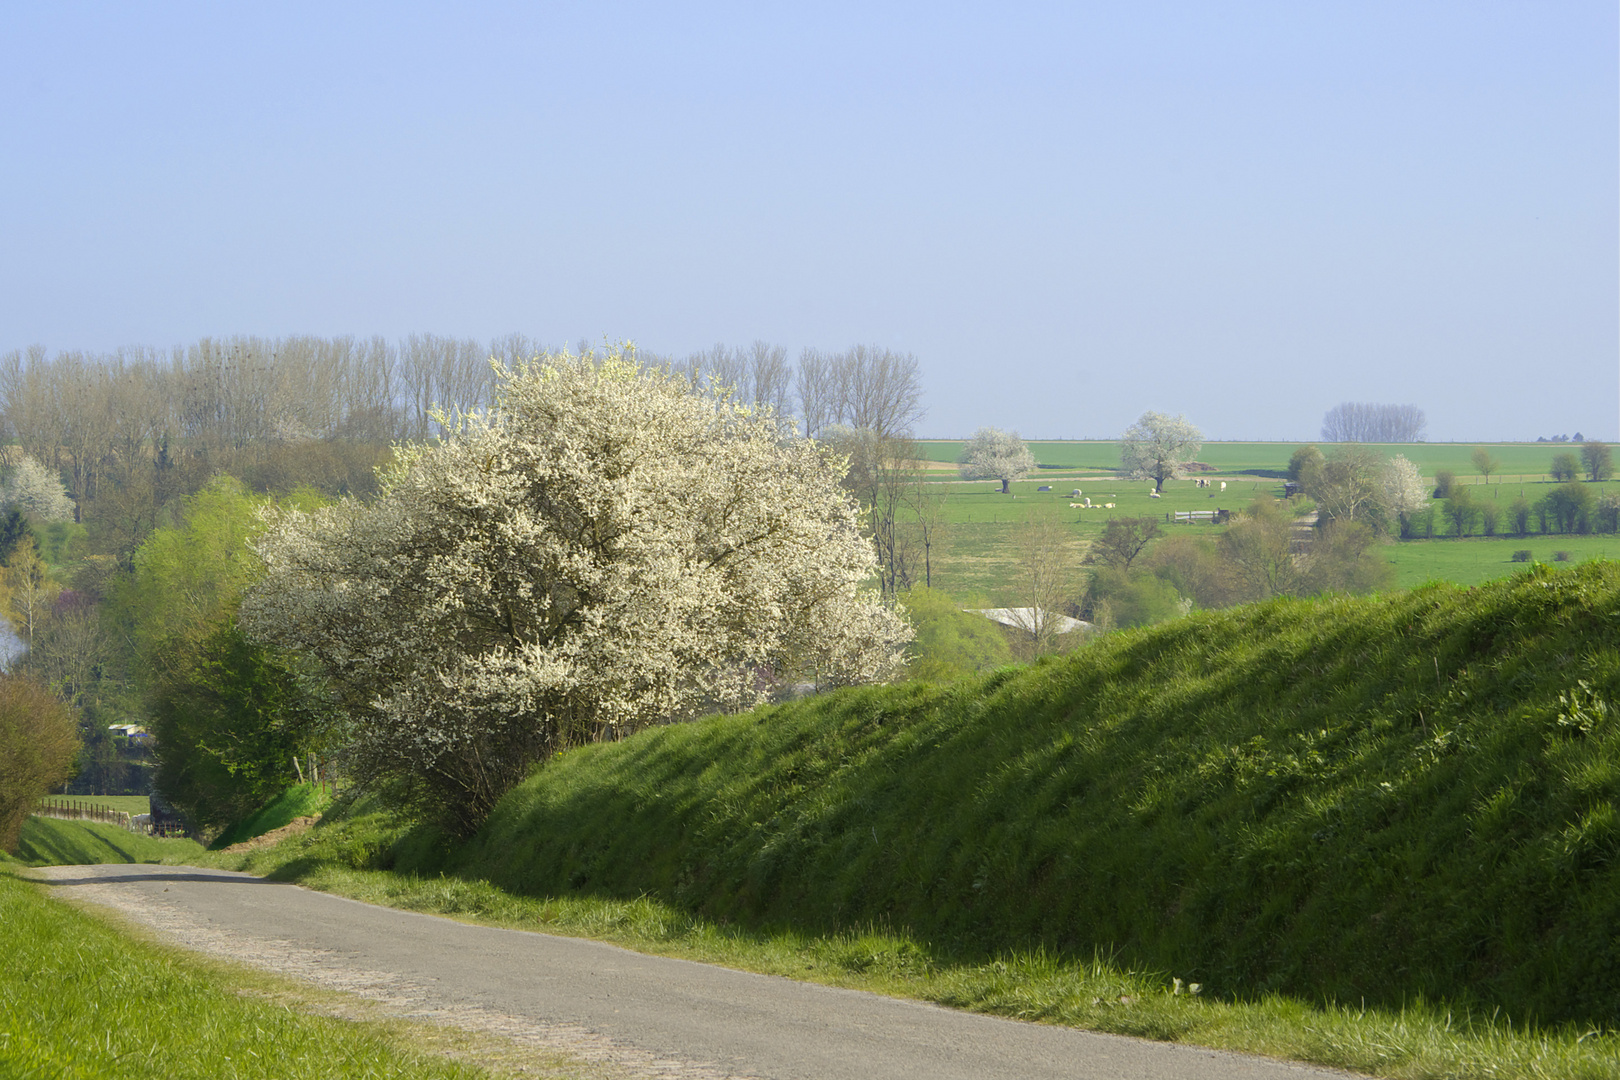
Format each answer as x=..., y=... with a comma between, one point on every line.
x=275, y=836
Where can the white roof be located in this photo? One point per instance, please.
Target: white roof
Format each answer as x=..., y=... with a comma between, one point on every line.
x=1028, y=618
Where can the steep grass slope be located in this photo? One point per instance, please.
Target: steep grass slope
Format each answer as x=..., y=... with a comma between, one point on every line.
x=49, y=842
x=1345, y=798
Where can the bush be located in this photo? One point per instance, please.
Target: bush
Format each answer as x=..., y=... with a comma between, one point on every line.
x=1522, y=555
x=1444, y=481
x=1519, y=513
x=39, y=740
x=950, y=643
x=1561, y=556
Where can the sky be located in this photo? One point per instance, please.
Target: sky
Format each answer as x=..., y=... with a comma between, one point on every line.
x=1070, y=214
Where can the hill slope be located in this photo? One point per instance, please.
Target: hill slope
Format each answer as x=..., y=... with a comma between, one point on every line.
x=1346, y=798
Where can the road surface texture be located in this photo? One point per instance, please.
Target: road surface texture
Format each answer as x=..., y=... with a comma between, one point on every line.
x=642, y=1016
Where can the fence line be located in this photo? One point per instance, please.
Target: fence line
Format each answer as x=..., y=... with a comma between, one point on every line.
x=74, y=810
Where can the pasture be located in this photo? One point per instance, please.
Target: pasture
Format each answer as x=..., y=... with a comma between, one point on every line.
x=979, y=550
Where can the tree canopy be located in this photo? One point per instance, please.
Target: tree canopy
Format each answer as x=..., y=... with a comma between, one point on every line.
x=993, y=454
x=1157, y=447
x=603, y=549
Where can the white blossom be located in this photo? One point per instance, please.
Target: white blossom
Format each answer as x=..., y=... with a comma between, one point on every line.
x=37, y=492
x=602, y=550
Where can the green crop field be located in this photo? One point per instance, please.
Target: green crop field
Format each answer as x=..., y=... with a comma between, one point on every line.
x=1519, y=461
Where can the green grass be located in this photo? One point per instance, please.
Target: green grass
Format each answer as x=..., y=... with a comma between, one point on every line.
x=79, y=999
x=49, y=842
x=1527, y=461
x=129, y=804
x=1415, y=1040
x=1476, y=560
x=1380, y=833
x=299, y=800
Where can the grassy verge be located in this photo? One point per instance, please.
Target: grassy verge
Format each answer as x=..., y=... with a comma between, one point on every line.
x=300, y=800
x=49, y=842
x=1417, y=1040
x=79, y=999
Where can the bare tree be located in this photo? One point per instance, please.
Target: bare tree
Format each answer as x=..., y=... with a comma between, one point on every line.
x=817, y=381
x=1356, y=421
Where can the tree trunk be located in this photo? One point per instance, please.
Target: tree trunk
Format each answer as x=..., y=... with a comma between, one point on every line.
x=1004, y=486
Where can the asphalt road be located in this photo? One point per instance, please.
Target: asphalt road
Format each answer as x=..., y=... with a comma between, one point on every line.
x=650, y=1015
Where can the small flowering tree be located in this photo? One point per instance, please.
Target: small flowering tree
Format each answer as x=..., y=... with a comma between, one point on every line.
x=603, y=549
x=37, y=492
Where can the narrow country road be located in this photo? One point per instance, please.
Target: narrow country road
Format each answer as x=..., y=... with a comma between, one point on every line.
x=647, y=1016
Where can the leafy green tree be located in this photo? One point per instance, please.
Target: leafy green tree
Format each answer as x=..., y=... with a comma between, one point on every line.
x=951, y=643
x=1444, y=481
x=1304, y=465
x=1599, y=461
x=1564, y=468
x=228, y=715
x=1567, y=507
x=1344, y=557
x=1519, y=514
x=1120, y=598
x=1462, y=511
x=38, y=743
x=1484, y=463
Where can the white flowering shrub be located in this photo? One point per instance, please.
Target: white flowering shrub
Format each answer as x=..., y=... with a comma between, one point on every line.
x=602, y=550
x=37, y=492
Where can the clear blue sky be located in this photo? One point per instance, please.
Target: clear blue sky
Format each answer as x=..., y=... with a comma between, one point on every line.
x=1071, y=213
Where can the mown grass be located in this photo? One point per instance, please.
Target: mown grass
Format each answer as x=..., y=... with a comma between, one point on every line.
x=50, y=842
x=129, y=804
x=80, y=999
x=1380, y=833
x=299, y=800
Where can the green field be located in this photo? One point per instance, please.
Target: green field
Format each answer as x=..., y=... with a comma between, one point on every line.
x=979, y=550
x=1519, y=461
x=129, y=804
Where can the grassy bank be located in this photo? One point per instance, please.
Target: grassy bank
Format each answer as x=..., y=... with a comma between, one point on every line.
x=79, y=999
x=49, y=842
x=1344, y=800
x=1379, y=833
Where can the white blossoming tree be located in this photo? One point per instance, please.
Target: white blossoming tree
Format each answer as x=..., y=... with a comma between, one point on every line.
x=37, y=492
x=602, y=550
x=1405, y=492
x=993, y=454
x=1157, y=447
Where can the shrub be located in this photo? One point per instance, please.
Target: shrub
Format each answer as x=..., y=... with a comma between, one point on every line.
x=1489, y=515
x=1561, y=556
x=1522, y=555
x=1444, y=481
x=38, y=741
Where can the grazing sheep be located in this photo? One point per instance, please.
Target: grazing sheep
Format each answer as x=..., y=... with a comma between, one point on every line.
x=1108, y=506
x=1154, y=495
x=1223, y=485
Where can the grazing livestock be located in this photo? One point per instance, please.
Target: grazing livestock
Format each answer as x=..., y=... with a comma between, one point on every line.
x=1223, y=485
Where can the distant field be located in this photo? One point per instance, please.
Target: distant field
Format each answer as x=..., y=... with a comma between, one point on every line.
x=1474, y=561
x=129, y=804
x=1519, y=461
